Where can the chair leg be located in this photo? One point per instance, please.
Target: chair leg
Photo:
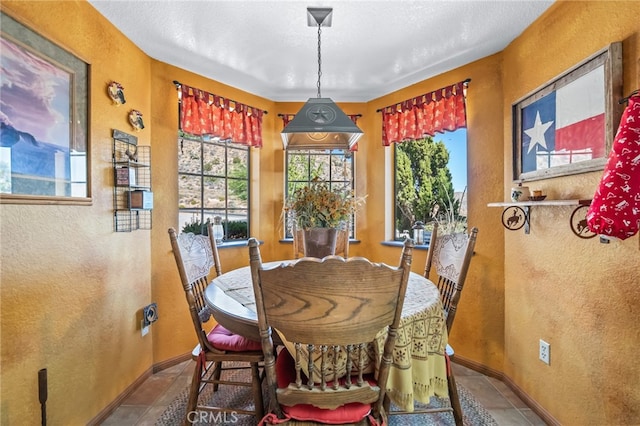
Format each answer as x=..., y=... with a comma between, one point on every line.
x=195, y=387
x=217, y=370
x=453, y=395
x=256, y=386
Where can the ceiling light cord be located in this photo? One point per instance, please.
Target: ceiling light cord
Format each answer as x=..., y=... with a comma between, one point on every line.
x=319, y=60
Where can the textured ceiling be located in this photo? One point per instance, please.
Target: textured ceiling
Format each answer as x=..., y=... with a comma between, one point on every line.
x=372, y=48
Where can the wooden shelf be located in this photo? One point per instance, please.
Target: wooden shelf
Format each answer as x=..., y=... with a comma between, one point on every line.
x=542, y=203
x=514, y=222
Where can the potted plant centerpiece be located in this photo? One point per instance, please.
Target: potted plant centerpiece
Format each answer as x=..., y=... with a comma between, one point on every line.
x=320, y=212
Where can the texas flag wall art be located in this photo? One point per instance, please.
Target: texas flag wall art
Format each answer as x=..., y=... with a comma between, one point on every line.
x=565, y=126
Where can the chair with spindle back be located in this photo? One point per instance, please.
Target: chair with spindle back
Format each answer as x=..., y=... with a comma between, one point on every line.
x=449, y=257
x=328, y=310
x=196, y=256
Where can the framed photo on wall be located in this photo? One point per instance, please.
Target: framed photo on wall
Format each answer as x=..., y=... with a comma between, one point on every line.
x=567, y=126
x=43, y=120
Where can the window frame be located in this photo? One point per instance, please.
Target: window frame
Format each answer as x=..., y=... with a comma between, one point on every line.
x=318, y=153
x=394, y=189
x=203, y=213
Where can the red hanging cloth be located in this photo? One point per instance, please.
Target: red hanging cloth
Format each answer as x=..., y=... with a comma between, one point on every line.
x=202, y=113
x=439, y=111
x=615, y=209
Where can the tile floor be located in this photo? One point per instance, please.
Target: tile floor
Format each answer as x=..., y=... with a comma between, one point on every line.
x=147, y=403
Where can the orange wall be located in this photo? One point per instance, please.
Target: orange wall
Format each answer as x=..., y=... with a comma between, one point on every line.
x=173, y=334
x=579, y=295
x=72, y=288
x=478, y=333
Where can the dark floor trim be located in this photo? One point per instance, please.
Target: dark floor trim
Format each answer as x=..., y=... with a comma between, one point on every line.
x=531, y=403
x=171, y=362
x=109, y=409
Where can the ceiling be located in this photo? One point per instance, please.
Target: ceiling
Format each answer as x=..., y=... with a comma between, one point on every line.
x=371, y=49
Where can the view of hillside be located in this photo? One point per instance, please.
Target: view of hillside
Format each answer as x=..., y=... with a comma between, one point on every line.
x=216, y=156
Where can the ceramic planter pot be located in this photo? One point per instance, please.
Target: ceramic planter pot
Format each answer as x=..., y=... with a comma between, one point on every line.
x=319, y=242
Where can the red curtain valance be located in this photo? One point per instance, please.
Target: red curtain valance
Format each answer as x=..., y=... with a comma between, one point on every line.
x=286, y=118
x=424, y=115
x=203, y=113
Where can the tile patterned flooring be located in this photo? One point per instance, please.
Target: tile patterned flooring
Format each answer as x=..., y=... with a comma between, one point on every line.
x=147, y=403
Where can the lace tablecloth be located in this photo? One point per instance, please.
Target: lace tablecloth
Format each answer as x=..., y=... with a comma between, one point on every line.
x=418, y=370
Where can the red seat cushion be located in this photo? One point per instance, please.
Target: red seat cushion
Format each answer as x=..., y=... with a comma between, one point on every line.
x=224, y=340
x=348, y=413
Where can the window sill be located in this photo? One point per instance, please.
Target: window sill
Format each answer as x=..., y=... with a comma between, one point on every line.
x=235, y=243
x=290, y=241
x=401, y=243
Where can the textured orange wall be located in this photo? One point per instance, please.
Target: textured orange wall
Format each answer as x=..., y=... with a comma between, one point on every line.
x=478, y=334
x=579, y=295
x=173, y=333
x=71, y=287
x=79, y=295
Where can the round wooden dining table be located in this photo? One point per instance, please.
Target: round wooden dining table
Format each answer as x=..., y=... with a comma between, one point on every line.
x=418, y=370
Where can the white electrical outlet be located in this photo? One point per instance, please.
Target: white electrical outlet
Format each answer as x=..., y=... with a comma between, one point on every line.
x=144, y=329
x=545, y=352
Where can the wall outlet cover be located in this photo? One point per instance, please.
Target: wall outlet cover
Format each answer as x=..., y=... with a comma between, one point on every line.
x=545, y=352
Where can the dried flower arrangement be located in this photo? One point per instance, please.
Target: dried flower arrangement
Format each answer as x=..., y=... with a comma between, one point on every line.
x=317, y=206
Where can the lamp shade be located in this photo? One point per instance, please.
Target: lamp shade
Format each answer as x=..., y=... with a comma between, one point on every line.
x=320, y=124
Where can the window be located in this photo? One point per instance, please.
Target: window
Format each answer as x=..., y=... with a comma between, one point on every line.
x=333, y=167
x=213, y=180
x=431, y=182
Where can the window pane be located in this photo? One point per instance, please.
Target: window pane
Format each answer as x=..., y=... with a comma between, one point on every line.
x=319, y=167
x=298, y=167
x=238, y=179
x=236, y=226
x=189, y=191
x=214, y=193
x=213, y=160
x=234, y=222
x=341, y=169
x=189, y=156
x=220, y=178
x=328, y=166
x=431, y=182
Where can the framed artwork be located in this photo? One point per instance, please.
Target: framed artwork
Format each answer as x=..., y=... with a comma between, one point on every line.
x=567, y=126
x=43, y=120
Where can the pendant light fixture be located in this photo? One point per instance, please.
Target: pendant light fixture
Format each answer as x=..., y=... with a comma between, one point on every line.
x=320, y=124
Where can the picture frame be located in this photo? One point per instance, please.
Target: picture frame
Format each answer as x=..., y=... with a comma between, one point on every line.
x=44, y=147
x=567, y=125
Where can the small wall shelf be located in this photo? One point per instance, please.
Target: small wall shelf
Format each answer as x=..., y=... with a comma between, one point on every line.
x=518, y=214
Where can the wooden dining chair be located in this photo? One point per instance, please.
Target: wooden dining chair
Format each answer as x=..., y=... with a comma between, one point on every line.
x=217, y=350
x=342, y=242
x=329, y=312
x=449, y=257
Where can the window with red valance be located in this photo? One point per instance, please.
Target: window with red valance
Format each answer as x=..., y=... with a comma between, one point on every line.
x=438, y=111
x=203, y=113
